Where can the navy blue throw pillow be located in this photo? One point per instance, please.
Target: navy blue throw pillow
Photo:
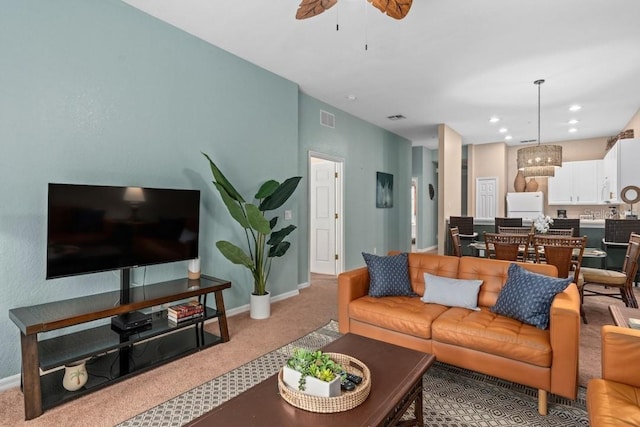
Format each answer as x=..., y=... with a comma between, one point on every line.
x=389, y=275
x=527, y=296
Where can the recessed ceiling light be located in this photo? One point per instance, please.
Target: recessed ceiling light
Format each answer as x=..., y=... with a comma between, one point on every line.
x=575, y=108
x=502, y=130
x=396, y=117
x=573, y=122
x=494, y=120
x=351, y=97
x=508, y=137
x=573, y=130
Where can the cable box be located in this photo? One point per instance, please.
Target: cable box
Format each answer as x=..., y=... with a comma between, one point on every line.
x=131, y=321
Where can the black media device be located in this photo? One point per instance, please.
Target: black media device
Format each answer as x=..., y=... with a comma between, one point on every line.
x=131, y=321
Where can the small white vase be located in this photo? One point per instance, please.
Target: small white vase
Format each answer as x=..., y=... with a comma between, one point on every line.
x=75, y=376
x=260, y=306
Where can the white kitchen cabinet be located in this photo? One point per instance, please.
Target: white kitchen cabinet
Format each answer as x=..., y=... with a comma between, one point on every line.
x=628, y=165
x=576, y=183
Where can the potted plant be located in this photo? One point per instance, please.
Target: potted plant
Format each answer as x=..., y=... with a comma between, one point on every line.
x=313, y=372
x=264, y=242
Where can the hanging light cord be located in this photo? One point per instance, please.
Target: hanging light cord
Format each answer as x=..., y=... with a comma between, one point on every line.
x=539, y=82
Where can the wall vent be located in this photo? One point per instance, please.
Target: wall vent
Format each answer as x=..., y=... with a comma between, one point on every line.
x=327, y=119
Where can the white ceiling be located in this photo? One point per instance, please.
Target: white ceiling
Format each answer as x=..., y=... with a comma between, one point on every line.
x=457, y=62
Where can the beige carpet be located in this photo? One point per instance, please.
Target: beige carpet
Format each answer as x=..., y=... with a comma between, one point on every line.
x=291, y=319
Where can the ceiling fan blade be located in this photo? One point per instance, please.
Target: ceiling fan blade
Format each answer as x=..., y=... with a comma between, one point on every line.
x=397, y=9
x=310, y=8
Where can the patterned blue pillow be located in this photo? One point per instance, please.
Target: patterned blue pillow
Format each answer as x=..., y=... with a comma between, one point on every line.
x=389, y=275
x=527, y=296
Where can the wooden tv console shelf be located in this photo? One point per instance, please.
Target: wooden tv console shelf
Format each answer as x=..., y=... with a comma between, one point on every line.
x=110, y=354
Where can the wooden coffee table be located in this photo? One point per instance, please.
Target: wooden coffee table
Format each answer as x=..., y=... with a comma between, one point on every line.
x=621, y=315
x=396, y=383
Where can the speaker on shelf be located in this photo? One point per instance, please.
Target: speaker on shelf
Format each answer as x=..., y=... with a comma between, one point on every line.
x=194, y=269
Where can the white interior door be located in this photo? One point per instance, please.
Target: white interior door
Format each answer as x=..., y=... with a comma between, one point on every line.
x=325, y=238
x=486, y=197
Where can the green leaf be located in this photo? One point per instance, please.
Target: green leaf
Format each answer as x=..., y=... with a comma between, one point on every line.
x=222, y=180
x=234, y=208
x=278, y=236
x=279, y=250
x=280, y=195
x=267, y=189
x=257, y=220
x=235, y=254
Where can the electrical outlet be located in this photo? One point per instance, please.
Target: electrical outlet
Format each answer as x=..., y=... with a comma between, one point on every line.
x=375, y=250
x=288, y=214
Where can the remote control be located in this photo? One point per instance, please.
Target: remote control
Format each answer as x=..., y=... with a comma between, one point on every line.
x=354, y=378
x=347, y=385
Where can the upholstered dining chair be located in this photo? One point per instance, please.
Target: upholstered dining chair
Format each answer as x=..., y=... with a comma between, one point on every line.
x=456, y=244
x=510, y=247
x=620, y=280
x=565, y=252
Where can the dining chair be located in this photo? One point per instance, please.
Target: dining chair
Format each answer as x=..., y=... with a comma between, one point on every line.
x=565, y=252
x=567, y=223
x=465, y=226
x=514, y=230
x=622, y=280
x=506, y=222
x=559, y=232
x=510, y=247
x=456, y=244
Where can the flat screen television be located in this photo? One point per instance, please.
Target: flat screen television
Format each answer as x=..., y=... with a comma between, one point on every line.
x=93, y=228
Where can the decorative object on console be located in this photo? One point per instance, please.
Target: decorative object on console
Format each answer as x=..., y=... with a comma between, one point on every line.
x=75, y=376
x=263, y=240
x=396, y=9
x=539, y=160
x=520, y=183
x=193, y=270
x=630, y=194
x=527, y=296
x=532, y=185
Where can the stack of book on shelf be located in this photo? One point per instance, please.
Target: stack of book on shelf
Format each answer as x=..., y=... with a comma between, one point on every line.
x=185, y=311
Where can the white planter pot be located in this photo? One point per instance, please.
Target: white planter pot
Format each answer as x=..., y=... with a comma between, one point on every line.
x=313, y=386
x=260, y=306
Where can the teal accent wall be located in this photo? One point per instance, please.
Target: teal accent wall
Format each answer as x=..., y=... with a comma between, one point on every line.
x=365, y=149
x=97, y=92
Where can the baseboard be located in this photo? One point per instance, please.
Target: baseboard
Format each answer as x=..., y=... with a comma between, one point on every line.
x=428, y=249
x=9, y=382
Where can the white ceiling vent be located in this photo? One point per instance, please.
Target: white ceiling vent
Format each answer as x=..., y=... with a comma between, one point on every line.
x=327, y=119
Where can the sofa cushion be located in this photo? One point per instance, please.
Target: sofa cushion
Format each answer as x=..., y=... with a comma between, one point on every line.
x=451, y=292
x=389, y=275
x=406, y=315
x=527, y=296
x=610, y=403
x=492, y=333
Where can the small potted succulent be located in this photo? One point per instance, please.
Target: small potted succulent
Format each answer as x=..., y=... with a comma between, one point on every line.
x=314, y=373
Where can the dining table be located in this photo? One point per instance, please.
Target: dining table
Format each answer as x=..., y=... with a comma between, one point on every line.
x=479, y=249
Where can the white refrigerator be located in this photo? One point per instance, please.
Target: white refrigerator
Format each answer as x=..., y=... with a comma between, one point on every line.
x=525, y=205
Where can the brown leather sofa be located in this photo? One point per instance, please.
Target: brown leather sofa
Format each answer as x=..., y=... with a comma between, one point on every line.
x=478, y=340
x=614, y=399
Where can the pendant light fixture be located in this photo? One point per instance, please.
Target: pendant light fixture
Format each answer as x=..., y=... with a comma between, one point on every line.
x=539, y=160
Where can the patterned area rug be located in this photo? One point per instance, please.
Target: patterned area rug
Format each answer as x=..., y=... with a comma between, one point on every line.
x=452, y=397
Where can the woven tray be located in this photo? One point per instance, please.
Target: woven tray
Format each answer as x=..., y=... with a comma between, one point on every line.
x=347, y=400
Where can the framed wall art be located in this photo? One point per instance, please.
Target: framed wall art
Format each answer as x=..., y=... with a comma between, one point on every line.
x=384, y=190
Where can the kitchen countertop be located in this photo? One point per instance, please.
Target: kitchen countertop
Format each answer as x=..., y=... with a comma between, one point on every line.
x=586, y=223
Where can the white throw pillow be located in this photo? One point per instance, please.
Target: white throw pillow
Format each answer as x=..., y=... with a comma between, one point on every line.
x=451, y=292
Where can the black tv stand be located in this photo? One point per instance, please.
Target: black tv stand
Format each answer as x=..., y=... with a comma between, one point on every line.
x=110, y=350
